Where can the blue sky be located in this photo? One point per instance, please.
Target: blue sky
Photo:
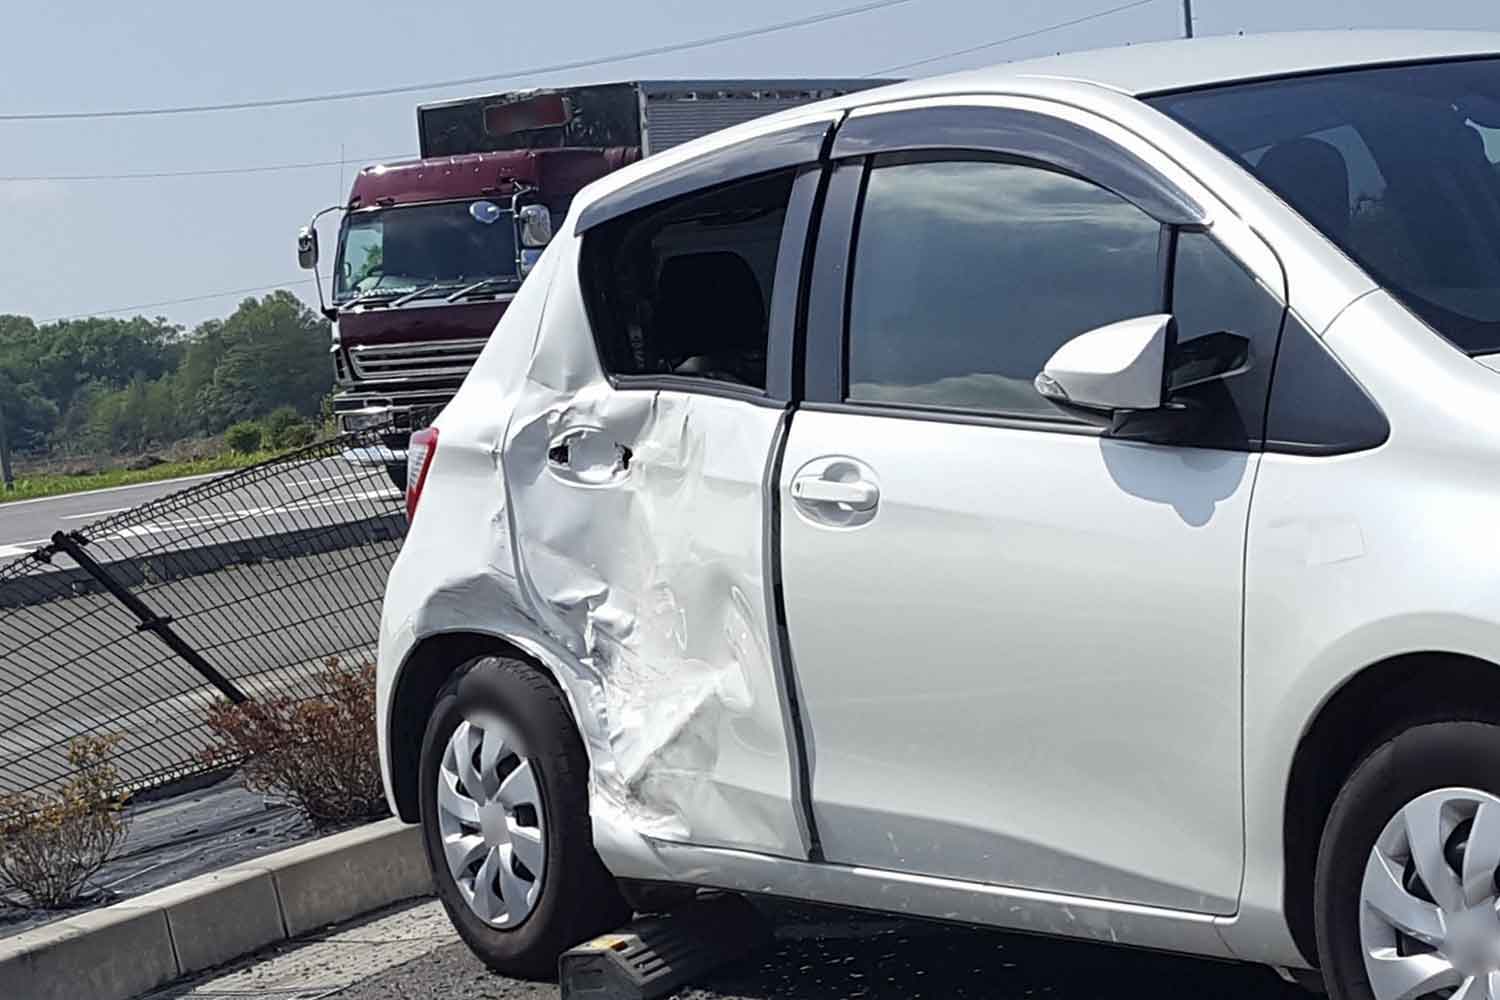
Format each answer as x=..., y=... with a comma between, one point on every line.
x=81, y=247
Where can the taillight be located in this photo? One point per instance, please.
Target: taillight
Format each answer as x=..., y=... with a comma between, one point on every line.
x=420, y=451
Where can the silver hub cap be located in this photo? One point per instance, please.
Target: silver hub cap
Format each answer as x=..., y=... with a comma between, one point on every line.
x=1429, y=910
x=491, y=821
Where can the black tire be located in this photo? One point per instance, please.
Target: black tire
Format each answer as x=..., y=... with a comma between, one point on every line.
x=1418, y=760
x=397, y=474
x=578, y=898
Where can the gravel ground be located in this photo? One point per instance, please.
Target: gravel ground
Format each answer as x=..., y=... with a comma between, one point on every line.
x=885, y=960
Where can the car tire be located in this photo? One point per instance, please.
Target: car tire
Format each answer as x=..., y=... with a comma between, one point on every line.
x=575, y=897
x=1421, y=762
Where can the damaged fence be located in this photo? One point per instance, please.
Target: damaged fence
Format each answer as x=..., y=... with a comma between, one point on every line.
x=236, y=588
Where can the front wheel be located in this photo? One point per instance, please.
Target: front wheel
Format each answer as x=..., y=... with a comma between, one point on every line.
x=1407, y=892
x=505, y=820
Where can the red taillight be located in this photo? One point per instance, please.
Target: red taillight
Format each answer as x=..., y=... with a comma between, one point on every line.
x=420, y=451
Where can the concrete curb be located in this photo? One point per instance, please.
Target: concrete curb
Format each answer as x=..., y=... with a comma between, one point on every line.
x=121, y=951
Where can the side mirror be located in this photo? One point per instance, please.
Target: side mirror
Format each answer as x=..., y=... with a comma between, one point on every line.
x=534, y=223
x=1210, y=358
x=1121, y=366
x=307, y=248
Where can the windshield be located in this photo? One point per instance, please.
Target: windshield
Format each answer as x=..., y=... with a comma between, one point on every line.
x=1396, y=165
x=445, y=245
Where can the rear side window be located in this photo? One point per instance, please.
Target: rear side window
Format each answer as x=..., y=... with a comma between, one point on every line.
x=969, y=274
x=683, y=288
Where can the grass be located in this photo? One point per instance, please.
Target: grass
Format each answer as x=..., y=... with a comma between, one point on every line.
x=31, y=487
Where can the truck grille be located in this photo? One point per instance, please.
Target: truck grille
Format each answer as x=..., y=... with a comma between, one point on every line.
x=431, y=359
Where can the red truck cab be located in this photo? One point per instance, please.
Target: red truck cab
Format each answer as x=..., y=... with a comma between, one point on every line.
x=431, y=251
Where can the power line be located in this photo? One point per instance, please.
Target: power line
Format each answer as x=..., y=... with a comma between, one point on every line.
x=1011, y=38
x=177, y=302
x=206, y=172
x=351, y=95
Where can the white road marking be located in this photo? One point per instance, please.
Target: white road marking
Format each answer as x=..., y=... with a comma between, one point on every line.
x=93, y=513
x=21, y=548
x=7, y=505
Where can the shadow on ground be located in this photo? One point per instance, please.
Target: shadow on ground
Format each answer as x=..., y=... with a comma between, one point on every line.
x=862, y=959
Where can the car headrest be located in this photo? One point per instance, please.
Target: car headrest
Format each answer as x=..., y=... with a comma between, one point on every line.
x=1312, y=177
x=708, y=303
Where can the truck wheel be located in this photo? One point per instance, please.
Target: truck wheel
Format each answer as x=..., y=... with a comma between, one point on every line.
x=505, y=819
x=1406, y=888
x=398, y=476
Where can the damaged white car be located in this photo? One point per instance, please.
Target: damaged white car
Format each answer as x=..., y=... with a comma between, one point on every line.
x=1057, y=498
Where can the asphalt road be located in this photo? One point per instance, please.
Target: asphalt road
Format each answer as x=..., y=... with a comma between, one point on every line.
x=320, y=488
x=26, y=524
x=839, y=957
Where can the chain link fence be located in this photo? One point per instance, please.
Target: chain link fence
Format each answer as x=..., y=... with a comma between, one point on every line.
x=236, y=588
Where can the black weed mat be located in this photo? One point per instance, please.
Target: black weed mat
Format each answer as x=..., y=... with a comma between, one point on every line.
x=190, y=834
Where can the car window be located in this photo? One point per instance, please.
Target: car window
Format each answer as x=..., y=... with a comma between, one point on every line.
x=1213, y=294
x=684, y=287
x=1396, y=165
x=969, y=274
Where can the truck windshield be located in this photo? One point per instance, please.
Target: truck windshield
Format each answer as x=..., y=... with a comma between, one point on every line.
x=1396, y=165
x=433, y=247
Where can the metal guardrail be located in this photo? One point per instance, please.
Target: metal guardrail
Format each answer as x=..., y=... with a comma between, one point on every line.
x=236, y=588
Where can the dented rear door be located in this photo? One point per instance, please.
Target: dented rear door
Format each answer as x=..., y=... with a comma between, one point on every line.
x=638, y=502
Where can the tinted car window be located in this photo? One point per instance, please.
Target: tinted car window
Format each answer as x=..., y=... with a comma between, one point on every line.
x=1213, y=295
x=684, y=287
x=1395, y=165
x=969, y=274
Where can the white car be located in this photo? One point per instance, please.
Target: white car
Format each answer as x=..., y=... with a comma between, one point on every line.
x=1060, y=497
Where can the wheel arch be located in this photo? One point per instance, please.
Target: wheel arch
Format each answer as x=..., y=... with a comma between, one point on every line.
x=1367, y=708
x=429, y=665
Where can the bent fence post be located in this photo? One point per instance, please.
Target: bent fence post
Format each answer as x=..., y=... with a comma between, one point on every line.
x=158, y=625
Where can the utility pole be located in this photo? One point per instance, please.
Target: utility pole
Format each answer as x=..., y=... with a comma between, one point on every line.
x=1187, y=18
x=6, y=478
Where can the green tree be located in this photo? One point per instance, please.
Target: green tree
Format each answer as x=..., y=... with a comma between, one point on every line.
x=79, y=386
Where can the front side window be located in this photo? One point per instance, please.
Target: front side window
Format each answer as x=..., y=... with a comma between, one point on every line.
x=405, y=249
x=1395, y=165
x=683, y=288
x=969, y=274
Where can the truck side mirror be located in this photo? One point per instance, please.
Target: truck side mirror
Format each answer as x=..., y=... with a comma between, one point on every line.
x=307, y=248
x=535, y=225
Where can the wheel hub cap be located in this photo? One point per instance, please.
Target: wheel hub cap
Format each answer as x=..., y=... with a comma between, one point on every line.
x=490, y=818
x=1429, y=909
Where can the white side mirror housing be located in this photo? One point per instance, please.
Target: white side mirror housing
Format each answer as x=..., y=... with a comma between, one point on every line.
x=1121, y=366
x=535, y=225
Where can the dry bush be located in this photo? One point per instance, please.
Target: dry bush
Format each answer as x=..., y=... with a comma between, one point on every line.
x=318, y=752
x=51, y=844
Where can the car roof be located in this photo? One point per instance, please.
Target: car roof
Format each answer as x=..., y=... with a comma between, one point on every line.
x=1156, y=67
x=1131, y=70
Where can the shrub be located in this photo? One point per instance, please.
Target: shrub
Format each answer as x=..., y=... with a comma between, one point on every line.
x=244, y=437
x=277, y=421
x=295, y=435
x=52, y=844
x=318, y=752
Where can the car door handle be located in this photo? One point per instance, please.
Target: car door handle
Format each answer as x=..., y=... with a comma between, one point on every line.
x=858, y=495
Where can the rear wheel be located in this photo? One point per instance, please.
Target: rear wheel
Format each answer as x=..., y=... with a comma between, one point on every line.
x=1407, y=892
x=505, y=822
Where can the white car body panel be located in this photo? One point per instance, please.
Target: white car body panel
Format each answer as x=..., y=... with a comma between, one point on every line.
x=648, y=577
x=645, y=592
x=1357, y=558
x=1076, y=602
